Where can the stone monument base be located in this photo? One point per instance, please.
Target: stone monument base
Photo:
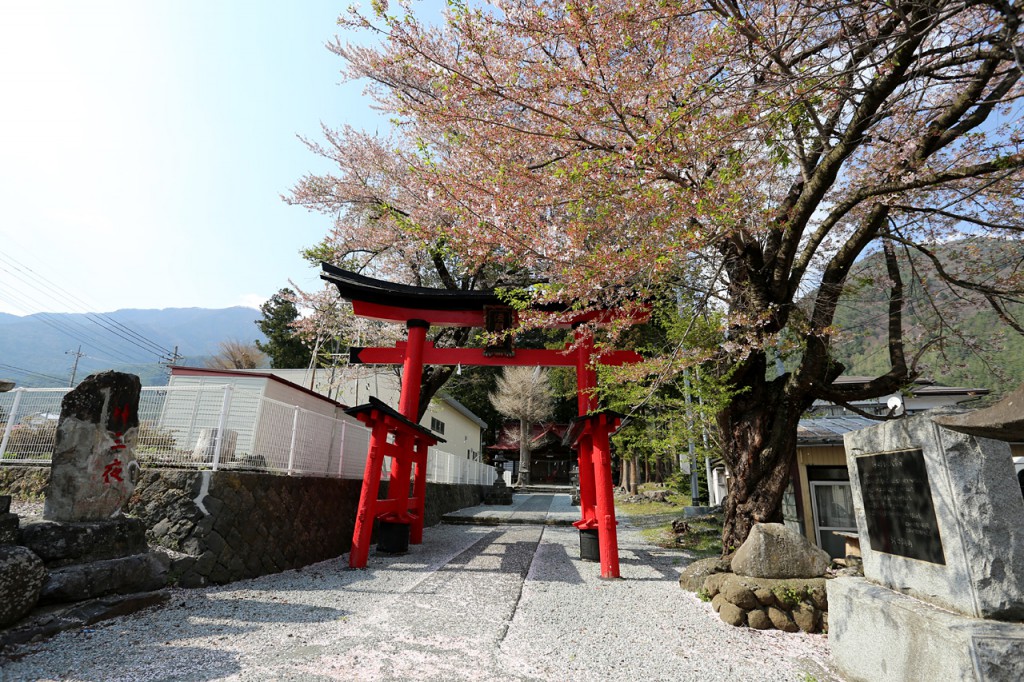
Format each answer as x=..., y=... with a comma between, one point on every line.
x=910, y=640
x=498, y=493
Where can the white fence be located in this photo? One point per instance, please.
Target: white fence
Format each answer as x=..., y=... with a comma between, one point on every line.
x=222, y=427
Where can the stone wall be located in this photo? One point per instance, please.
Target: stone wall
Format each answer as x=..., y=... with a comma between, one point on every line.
x=230, y=525
x=23, y=482
x=789, y=604
x=234, y=525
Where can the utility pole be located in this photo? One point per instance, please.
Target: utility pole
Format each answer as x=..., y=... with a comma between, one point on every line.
x=74, y=368
x=694, y=486
x=171, y=360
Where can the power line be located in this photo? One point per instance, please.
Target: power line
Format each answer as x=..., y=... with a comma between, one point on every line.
x=61, y=294
x=28, y=372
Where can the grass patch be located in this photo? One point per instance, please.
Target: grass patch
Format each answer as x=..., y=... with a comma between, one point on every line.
x=632, y=509
x=703, y=539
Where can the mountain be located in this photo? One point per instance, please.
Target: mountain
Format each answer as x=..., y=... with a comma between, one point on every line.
x=39, y=350
x=970, y=345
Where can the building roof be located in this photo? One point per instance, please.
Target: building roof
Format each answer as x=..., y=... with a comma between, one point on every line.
x=509, y=438
x=829, y=430
x=179, y=371
x=920, y=387
x=462, y=409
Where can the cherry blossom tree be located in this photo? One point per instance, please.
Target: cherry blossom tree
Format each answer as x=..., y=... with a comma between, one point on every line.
x=749, y=154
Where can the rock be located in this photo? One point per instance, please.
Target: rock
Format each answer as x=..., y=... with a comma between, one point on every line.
x=806, y=617
x=137, y=573
x=765, y=596
x=655, y=495
x=60, y=544
x=9, y=528
x=818, y=596
x=759, y=620
x=717, y=601
x=693, y=576
x=44, y=623
x=713, y=583
x=732, y=614
x=736, y=592
x=773, y=551
x=22, y=574
x=781, y=620
x=94, y=470
x=5, y=504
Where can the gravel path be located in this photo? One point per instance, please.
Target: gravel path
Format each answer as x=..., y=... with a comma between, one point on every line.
x=470, y=603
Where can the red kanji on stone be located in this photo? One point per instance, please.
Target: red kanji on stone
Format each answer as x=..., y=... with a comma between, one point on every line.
x=113, y=471
x=122, y=414
x=118, y=443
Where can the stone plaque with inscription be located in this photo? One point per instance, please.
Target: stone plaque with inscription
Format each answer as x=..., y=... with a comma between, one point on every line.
x=898, y=505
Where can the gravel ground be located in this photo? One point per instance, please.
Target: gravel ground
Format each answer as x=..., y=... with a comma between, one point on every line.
x=470, y=603
x=27, y=509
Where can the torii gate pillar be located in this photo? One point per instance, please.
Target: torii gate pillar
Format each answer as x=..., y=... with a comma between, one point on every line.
x=591, y=434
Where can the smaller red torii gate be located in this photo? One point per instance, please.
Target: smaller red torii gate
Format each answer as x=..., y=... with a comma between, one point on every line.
x=420, y=308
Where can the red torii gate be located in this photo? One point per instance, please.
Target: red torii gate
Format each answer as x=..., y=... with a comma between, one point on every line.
x=420, y=308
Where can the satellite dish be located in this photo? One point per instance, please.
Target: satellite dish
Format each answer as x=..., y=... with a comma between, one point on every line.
x=894, y=404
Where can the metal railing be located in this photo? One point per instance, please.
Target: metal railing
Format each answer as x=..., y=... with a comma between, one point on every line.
x=221, y=427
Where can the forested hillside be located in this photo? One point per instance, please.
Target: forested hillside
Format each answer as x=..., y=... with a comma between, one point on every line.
x=969, y=344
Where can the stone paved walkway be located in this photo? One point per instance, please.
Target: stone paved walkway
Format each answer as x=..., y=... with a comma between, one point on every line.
x=507, y=602
x=540, y=508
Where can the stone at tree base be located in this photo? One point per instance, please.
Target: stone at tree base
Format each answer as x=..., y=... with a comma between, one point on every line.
x=126, y=575
x=22, y=574
x=739, y=594
x=782, y=620
x=732, y=614
x=759, y=620
x=765, y=596
x=60, y=544
x=774, y=551
x=806, y=617
x=94, y=470
x=818, y=596
x=713, y=583
x=693, y=576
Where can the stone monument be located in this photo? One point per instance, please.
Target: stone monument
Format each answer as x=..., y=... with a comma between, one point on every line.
x=941, y=524
x=94, y=470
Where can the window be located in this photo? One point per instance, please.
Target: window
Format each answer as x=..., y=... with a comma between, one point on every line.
x=436, y=425
x=832, y=503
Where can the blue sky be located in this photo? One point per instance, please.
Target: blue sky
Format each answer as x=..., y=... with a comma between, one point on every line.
x=144, y=147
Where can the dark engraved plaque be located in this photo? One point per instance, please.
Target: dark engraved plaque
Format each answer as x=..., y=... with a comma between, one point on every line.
x=898, y=505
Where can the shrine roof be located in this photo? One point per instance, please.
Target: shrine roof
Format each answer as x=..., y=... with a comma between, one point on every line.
x=357, y=287
x=382, y=300
x=380, y=406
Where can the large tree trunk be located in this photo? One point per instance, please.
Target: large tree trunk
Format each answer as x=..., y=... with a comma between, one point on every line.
x=524, y=453
x=759, y=438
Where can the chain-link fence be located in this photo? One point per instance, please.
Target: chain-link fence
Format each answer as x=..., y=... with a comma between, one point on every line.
x=221, y=427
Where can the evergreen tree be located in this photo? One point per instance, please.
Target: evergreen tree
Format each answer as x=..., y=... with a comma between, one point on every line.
x=285, y=349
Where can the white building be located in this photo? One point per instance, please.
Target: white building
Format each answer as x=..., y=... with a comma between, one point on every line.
x=353, y=385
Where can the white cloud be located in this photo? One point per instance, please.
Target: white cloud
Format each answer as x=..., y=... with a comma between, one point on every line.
x=251, y=300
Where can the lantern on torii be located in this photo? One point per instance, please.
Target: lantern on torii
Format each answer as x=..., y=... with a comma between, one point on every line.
x=398, y=435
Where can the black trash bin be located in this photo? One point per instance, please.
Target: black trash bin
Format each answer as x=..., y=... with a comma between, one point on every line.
x=393, y=537
x=590, y=547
